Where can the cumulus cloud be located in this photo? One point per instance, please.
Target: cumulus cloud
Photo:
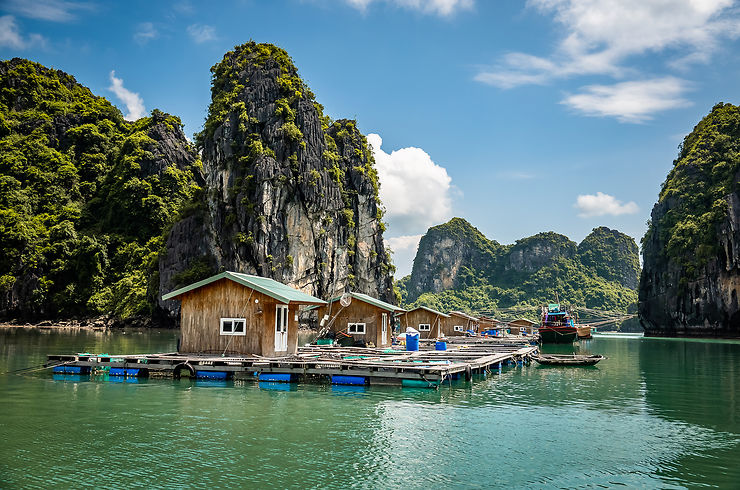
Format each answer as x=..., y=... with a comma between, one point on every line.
x=404, y=250
x=201, y=33
x=11, y=37
x=602, y=204
x=603, y=37
x=133, y=102
x=49, y=10
x=443, y=8
x=600, y=35
x=633, y=102
x=414, y=189
x=145, y=32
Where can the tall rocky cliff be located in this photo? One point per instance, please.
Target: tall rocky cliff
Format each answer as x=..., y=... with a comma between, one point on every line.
x=289, y=193
x=456, y=266
x=85, y=197
x=691, y=251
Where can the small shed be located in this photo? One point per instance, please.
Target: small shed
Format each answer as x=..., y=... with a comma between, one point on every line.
x=427, y=321
x=368, y=320
x=521, y=325
x=458, y=323
x=240, y=314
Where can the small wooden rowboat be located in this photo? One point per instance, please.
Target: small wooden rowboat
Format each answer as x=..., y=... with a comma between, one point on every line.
x=568, y=360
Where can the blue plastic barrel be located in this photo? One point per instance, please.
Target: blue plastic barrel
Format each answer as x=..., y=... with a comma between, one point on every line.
x=440, y=346
x=348, y=380
x=412, y=341
x=277, y=377
x=219, y=375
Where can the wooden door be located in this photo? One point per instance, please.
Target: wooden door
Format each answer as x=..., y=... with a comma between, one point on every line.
x=281, y=328
x=384, y=329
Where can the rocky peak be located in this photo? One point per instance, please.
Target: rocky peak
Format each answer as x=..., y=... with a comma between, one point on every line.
x=290, y=194
x=613, y=256
x=533, y=253
x=443, y=251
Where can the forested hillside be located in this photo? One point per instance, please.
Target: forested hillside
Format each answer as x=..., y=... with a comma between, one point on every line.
x=85, y=197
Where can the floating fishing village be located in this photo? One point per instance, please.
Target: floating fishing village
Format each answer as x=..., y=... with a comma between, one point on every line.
x=239, y=326
x=338, y=244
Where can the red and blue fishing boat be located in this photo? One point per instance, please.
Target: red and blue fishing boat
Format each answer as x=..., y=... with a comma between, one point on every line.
x=557, y=326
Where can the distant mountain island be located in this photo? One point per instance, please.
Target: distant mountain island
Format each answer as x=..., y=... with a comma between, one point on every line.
x=457, y=268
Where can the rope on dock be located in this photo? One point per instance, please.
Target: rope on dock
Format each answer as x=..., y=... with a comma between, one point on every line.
x=32, y=369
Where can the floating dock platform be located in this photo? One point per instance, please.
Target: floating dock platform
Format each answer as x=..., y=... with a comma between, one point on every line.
x=337, y=365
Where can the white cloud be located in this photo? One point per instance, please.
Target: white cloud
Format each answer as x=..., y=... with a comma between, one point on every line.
x=606, y=37
x=184, y=7
x=50, y=10
x=11, y=37
x=201, y=33
x=602, y=204
x=443, y=8
x=633, y=102
x=600, y=35
x=145, y=32
x=404, y=250
x=516, y=175
x=134, y=103
x=414, y=189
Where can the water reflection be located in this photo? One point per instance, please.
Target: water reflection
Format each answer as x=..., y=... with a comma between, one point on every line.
x=628, y=421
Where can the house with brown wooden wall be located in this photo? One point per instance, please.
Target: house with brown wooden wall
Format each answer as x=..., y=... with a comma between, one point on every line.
x=236, y=313
x=366, y=319
x=521, y=325
x=487, y=323
x=427, y=321
x=458, y=323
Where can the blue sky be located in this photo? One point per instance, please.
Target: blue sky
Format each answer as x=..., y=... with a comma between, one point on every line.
x=521, y=117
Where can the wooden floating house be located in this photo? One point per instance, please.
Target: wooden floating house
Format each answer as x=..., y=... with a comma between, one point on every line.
x=521, y=325
x=366, y=319
x=486, y=323
x=239, y=313
x=459, y=323
x=427, y=321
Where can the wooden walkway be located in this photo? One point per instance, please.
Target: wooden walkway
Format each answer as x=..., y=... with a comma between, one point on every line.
x=339, y=365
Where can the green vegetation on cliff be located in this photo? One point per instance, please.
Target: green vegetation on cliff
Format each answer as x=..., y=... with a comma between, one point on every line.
x=457, y=267
x=692, y=202
x=85, y=197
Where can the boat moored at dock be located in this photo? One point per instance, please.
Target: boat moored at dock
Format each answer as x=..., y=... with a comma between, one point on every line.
x=557, y=326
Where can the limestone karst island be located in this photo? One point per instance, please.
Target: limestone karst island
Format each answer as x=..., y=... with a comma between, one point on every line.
x=369, y=243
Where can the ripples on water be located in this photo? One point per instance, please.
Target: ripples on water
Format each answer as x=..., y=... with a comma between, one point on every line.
x=657, y=413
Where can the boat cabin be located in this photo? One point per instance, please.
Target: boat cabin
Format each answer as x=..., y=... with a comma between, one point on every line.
x=459, y=323
x=234, y=313
x=365, y=319
x=427, y=321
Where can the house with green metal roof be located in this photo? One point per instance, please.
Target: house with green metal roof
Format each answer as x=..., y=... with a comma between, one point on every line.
x=360, y=319
x=427, y=321
x=235, y=313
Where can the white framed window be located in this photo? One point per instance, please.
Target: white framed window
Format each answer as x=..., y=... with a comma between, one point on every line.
x=356, y=328
x=233, y=326
x=458, y=328
x=424, y=327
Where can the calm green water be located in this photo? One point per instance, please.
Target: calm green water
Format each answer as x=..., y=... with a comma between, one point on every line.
x=657, y=413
